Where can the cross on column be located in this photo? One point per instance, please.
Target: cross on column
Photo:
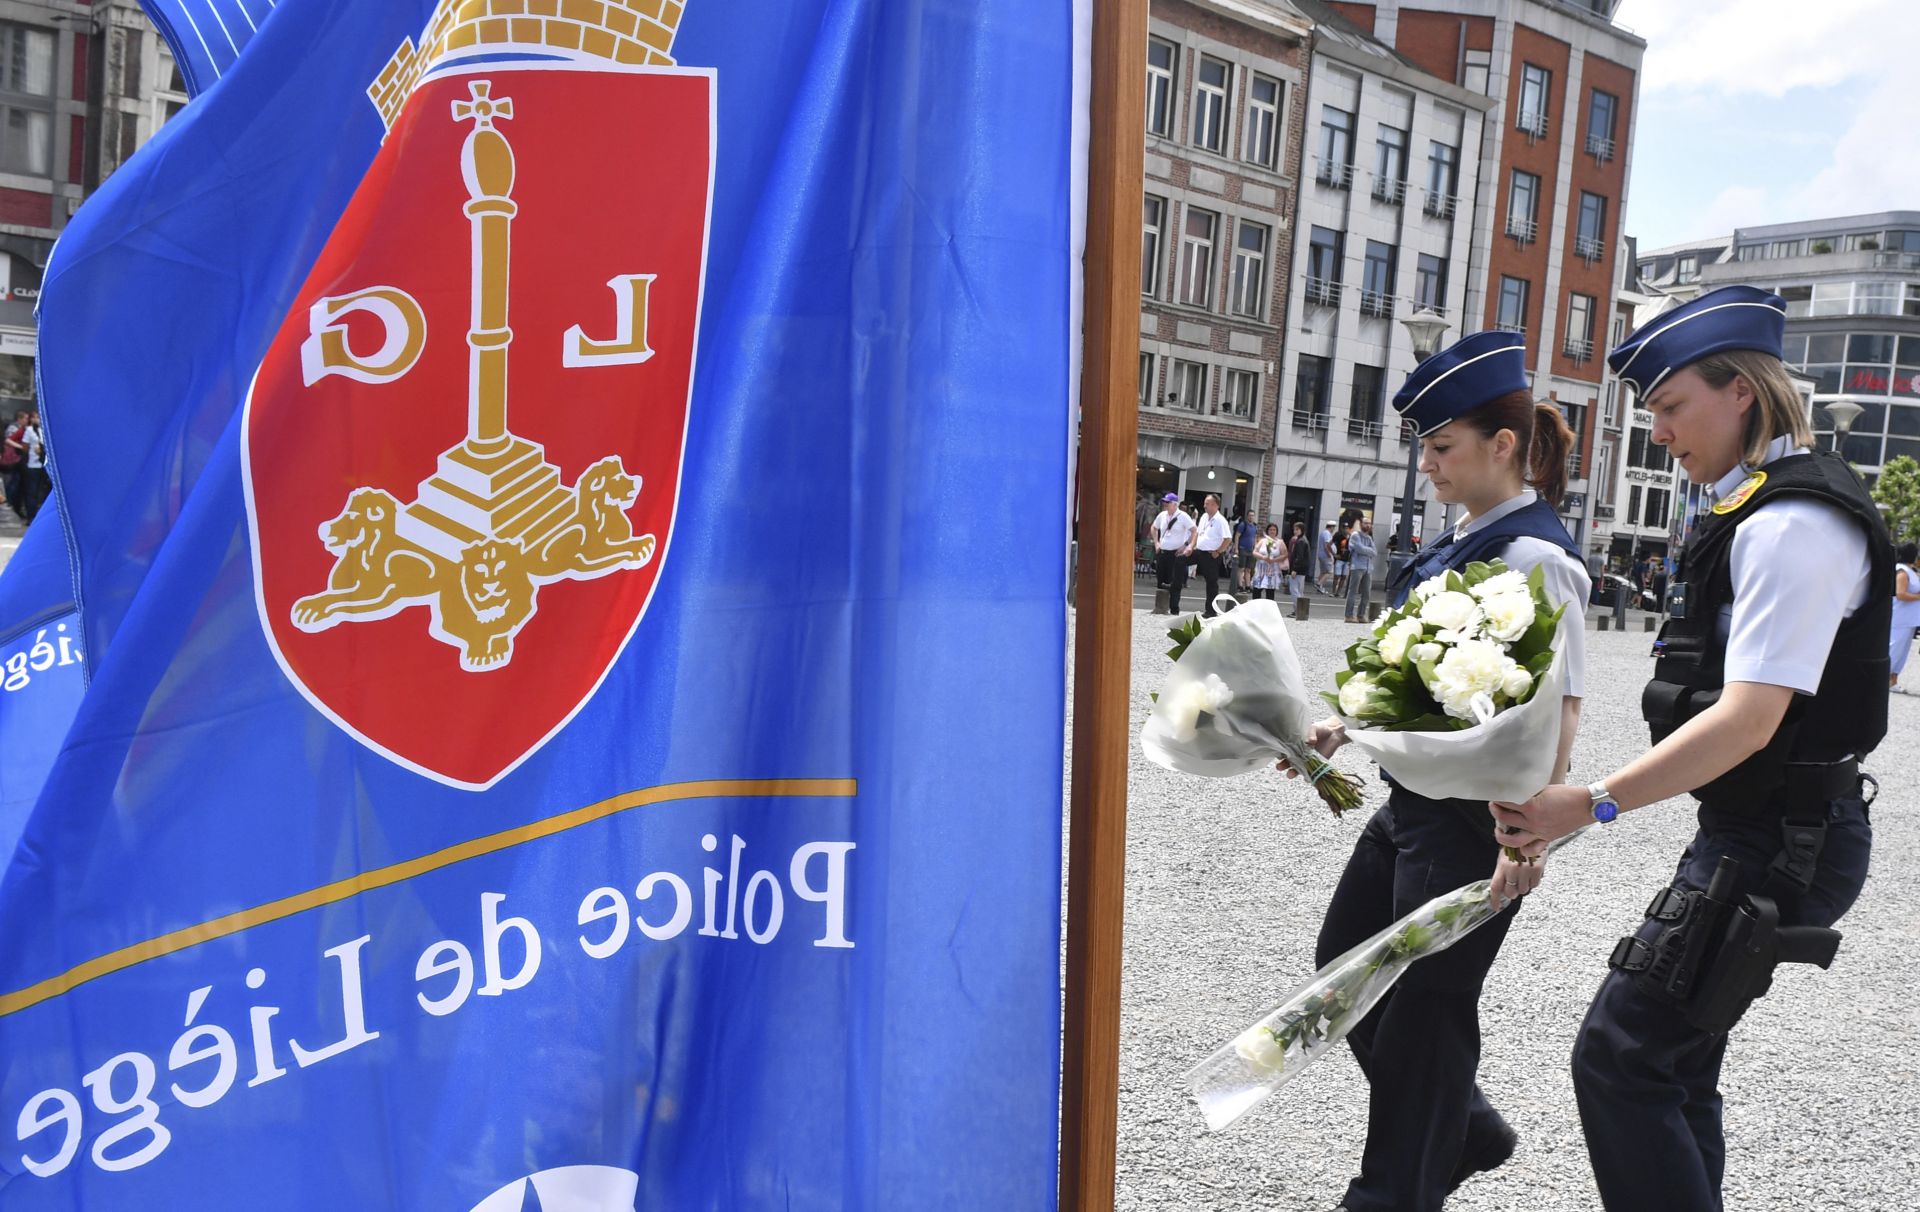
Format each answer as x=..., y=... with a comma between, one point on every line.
x=483, y=109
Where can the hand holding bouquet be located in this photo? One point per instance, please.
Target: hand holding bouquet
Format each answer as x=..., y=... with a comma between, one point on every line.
x=1236, y=700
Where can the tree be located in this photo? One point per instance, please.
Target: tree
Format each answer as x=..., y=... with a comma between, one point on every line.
x=1897, y=492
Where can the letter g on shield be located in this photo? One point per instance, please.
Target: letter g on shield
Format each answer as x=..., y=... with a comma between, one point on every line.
x=326, y=350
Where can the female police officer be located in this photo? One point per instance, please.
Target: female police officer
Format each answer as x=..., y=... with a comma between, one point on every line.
x=1767, y=692
x=1483, y=440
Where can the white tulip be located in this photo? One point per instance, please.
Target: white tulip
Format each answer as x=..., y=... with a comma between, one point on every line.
x=1518, y=683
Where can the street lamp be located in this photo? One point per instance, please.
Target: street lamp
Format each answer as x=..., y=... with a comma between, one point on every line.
x=1844, y=414
x=1425, y=327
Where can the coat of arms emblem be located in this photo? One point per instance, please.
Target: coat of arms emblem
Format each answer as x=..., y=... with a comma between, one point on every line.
x=463, y=448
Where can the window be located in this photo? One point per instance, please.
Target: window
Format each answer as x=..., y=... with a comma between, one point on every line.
x=1656, y=514
x=1579, y=344
x=1474, y=70
x=1262, y=142
x=1831, y=299
x=1513, y=304
x=1535, y=83
x=1601, y=108
x=1523, y=201
x=1153, y=230
x=1863, y=241
x=1430, y=283
x=1187, y=386
x=1610, y=404
x=1590, y=242
x=1210, y=104
x=1376, y=284
x=26, y=100
x=1390, y=165
x=1689, y=270
x=1876, y=298
x=1576, y=415
x=1336, y=147
x=1603, y=474
x=1146, y=379
x=1196, y=258
x=1633, y=505
x=1324, y=251
x=1310, y=393
x=1161, y=57
x=1239, y=394
x=1363, y=409
x=1443, y=175
x=1783, y=248
x=1248, y=290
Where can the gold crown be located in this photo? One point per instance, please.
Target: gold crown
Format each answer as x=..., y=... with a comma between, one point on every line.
x=638, y=32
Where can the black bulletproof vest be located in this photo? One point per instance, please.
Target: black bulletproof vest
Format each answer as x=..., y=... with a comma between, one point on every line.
x=1847, y=716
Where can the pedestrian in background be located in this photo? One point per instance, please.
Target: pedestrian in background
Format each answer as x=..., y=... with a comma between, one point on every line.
x=1245, y=534
x=1211, y=542
x=1361, y=554
x=1340, y=557
x=1300, y=558
x=1906, y=612
x=35, y=484
x=13, y=464
x=1172, y=540
x=1323, y=578
x=1270, y=563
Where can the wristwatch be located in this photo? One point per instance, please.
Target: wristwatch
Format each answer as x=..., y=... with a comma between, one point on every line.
x=1605, y=807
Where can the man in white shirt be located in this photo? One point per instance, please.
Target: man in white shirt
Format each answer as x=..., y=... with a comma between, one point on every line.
x=1173, y=533
x=1324, y=581
x=1211, y=539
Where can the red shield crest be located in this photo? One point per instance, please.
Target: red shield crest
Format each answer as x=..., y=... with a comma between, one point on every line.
x=462, y=450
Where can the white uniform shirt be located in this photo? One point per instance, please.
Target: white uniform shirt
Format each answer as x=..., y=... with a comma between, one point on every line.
x=1172, y=530
x=1215, y=534
x=1566, y=580
x=1780, y=627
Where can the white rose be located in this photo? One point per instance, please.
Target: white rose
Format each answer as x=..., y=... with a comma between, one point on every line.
x=1181, y=710
x=1470, y=667
x=1353, y=696
x=1518, y=683
x=1508, y=616
x=1259, y=1049
x=1393, y=645
x=1420, y=654
x=1501, y=583
x=1217, y=693
x=1457, y=615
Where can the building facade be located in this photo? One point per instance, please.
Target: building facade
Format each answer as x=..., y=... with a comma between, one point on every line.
x=1384, y=229
x=82, y=86
x=1224, y=80
x=1555, y=159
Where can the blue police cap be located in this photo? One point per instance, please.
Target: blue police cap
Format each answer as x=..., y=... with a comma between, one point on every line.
x=1462, y=377
x=1733, y=317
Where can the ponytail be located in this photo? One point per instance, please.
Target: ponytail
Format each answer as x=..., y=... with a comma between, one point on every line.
x=1539, y=430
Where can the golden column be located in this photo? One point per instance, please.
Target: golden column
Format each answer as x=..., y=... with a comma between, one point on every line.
x=486, y=163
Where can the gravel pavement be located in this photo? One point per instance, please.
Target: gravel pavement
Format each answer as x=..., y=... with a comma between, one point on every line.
x=1226, y=883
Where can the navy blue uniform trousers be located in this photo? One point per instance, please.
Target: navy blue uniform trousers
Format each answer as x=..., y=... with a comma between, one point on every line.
x=1648, y=1084
x=1420, y=1046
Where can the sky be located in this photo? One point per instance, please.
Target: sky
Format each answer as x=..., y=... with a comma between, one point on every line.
x=1771, y=111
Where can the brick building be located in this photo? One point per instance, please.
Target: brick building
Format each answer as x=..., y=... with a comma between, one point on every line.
x=1555, y=161
x=1224, y=81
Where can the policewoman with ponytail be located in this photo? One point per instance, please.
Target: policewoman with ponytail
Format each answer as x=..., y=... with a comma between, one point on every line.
x=1485, y=445
x=1767, y=691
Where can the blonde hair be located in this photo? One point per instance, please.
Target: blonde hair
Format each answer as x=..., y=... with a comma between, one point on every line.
x=1778, y=409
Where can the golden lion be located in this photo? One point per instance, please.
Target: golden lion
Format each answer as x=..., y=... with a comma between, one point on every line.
x=487, y=603
x=375, y=575
x=598, y=535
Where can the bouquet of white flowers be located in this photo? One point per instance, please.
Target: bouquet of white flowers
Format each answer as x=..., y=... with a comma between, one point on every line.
x=1319, y=1014
x=1236, y=700
x=1457, y=693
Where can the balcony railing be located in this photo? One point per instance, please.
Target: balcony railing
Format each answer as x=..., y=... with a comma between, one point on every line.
x=1896, y=260
x=1334, y=173
x=1362, y=430
x=1522, y=229
x=1407, y=433
x=1577, y=349
x=1532, y=124
x=1589, y=249
x=1322, y=293
x=1603, y=513
x=1600, y=148
x=1514, y=327
x=1376, y=303
x=1440, y=206
x=1311, y=419
x=1390, y=190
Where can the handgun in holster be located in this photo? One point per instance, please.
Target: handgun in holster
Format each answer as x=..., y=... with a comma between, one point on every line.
x=1717, y=954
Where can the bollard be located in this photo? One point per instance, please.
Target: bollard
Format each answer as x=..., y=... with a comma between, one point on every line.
x=1301, y=606
x=1620, y=607
x=1162, y=604
x=1604, y=620
x=1649, y=624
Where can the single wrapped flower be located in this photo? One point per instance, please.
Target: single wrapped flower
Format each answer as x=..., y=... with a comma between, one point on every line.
x=1259, y=1049
x=1394, y=644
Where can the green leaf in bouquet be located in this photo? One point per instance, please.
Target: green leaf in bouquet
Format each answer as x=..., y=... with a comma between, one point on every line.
x=1436, y=721
x=1479, y=571
x=1413, y=939
x=1183, y=634
x=1333, y=699
x=1455, y=582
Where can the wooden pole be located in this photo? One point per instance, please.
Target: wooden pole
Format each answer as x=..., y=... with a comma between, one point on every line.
x=1109, y=426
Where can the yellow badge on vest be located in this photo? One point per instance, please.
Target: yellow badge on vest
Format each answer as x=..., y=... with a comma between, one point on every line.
x=1741, y=495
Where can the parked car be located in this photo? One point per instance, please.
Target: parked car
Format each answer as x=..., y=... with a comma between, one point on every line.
x=1613, y=582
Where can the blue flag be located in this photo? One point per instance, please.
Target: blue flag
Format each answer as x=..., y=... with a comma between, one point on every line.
x=42, y=668
x=573, y=591
x=207, y=36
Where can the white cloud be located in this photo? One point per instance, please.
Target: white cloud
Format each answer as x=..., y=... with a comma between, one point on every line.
x=1872, y=166
x=1766, y=46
